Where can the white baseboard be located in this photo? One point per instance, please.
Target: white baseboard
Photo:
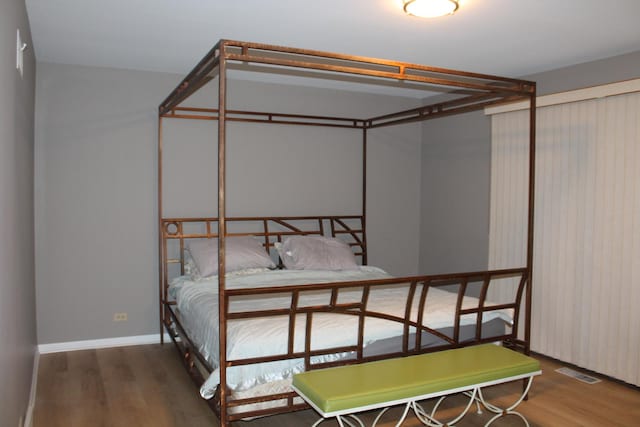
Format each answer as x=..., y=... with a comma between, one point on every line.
x=28, y=418
x=101, y=343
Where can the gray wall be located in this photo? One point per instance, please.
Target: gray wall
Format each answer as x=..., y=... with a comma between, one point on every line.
x=96, y=241
x=95, y=173
x=17, y=300
x=456, y=173
x=455, y=196
x=95, y=201
x=609, y=70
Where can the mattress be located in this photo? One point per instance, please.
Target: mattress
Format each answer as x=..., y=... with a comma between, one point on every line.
x=197, y=307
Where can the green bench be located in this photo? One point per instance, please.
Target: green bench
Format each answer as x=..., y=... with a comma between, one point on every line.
x=346, y=390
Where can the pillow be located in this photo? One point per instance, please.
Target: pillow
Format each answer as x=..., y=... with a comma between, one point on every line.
x=316, y=253
x=190, y=267
x=242, y=252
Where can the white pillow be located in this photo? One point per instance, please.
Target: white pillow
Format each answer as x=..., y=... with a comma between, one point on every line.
x=316, y=253
x=242, y=252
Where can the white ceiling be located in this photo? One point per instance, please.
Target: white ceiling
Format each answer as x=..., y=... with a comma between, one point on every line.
x=502, y=37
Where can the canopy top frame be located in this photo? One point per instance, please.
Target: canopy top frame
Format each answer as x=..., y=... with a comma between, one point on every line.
x=465, y=91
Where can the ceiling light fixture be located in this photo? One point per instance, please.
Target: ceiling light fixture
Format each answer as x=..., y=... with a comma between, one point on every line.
x=430, y=8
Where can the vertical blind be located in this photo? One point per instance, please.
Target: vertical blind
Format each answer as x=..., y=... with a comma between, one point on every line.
x=586, y=268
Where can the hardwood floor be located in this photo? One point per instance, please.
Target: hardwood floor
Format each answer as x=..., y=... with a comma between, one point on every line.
x=147, y=386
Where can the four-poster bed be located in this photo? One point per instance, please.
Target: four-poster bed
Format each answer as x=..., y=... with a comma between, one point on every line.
x=385, y=316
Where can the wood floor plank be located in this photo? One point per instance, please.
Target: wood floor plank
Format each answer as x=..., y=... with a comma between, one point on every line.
x=147, y=386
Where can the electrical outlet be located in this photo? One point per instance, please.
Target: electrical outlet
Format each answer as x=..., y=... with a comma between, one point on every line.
x=119, y=317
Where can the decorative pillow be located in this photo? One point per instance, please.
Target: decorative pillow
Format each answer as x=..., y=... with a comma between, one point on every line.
x=190, y=267
x=316, y=253
x=242, y=252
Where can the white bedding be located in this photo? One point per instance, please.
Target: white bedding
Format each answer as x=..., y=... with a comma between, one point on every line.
x=197, y=304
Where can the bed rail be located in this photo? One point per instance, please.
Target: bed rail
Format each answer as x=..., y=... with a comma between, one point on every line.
x=300, y=306
x=415, y=329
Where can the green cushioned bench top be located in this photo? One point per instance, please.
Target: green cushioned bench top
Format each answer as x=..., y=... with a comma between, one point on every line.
x=357, y=386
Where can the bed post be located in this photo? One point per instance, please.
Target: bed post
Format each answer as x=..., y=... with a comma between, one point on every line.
x=222, y=229
x=161, y=277
x=532, y=179
x=364, y=193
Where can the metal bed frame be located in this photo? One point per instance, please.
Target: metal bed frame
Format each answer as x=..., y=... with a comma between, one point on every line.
x=463, y=92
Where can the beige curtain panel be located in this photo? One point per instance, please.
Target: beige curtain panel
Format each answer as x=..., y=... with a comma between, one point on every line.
x=586, y=269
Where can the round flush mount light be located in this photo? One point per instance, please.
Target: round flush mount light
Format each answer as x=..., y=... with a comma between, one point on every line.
x=430, y=8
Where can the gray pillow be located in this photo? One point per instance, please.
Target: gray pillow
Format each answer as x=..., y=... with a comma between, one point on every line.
x=243, y=252
x=316, y=253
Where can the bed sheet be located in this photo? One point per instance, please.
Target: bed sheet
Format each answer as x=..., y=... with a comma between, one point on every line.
x=197, y=304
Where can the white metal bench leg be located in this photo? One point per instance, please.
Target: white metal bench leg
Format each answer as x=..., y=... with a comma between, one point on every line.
x=375, y=422
x=404, y=413
x=407, y=406
x=508, y=411
x=430, y=419
x=478, y=403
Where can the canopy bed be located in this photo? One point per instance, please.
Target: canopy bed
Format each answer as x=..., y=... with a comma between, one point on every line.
x=249, y=301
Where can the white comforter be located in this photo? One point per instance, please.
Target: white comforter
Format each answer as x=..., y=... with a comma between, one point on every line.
x=197, y=303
